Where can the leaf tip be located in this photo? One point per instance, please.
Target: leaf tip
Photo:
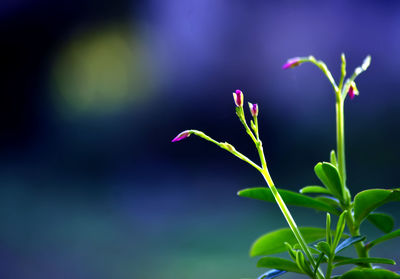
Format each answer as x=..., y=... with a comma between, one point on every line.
x=242, y=193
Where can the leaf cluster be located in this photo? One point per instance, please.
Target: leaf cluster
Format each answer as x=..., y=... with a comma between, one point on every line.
x=327, y=244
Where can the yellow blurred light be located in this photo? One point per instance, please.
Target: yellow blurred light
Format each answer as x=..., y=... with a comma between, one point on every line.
x=99, y=71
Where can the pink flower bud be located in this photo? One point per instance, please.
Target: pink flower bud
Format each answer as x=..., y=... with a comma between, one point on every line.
x=238, y=97
x=182, y=136
x=253, y=109
x=291, y=63
x=353, y=90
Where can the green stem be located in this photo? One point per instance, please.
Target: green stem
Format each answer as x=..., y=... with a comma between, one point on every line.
x=256, y=124
x=289, y=219
x=227, y=147
x=262, y=158
x=343, y=71
x=361, y=250
x=340, y=138
x=354, y=231
x=320, y=64
x=285, y=211
x=242, y=118
x=329, y=268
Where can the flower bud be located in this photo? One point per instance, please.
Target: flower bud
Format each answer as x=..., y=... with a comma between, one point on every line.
x=182, y=136
x=291, y=63
x=353, y=90
x=238, y=98
x=228, y=147
x=253, y=109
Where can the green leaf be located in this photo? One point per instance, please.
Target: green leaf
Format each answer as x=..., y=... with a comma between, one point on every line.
x=333, y=158
x=314, y=190
x=329, y=200
x=274, y=242
x=329, y=176
x=302, y=263
x=311, y=247
x=340, y=258
x=339, y=229
x=291, y=251
x=347, y=242
x=328, y=229
x=370, y=274
x=289, y=197
x=366, y=201
x=365, y=260
x=383, y=238
x=278, y=263
x=382, y=221
x=324, y=247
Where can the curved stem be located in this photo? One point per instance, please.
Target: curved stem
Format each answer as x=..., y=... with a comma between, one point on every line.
x=324, y=69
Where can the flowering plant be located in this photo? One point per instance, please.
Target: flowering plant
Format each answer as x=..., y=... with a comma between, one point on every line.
x=316, y=252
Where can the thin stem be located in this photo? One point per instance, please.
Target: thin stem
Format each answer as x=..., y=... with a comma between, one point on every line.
x=320, y=64
x=228, y=147
x=343, y=72
x=340, y=138
x=262, y=157
x=242, y=118
x=256, y=124
x=354, y=231
x=290, y=220
x=244, y=158
x=285, y=211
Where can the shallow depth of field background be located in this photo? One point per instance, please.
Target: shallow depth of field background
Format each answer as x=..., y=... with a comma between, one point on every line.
x=92, y=92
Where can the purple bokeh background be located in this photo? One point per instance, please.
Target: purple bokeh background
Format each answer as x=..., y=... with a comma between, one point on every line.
x=92, y=93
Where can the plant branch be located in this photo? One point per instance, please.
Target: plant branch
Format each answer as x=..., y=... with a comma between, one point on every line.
x=285, y=211
x=320, y=64
x=228, y=147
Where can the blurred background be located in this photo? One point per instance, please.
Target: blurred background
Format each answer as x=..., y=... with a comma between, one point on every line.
x=92, y=92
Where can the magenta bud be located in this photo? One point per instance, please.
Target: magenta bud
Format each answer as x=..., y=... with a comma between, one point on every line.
x=238, y=97
x=291, y=63
x=351, y=92
x=253, y=109
x=182, y=136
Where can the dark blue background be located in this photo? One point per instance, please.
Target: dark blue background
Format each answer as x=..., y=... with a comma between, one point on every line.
x=92, y=92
